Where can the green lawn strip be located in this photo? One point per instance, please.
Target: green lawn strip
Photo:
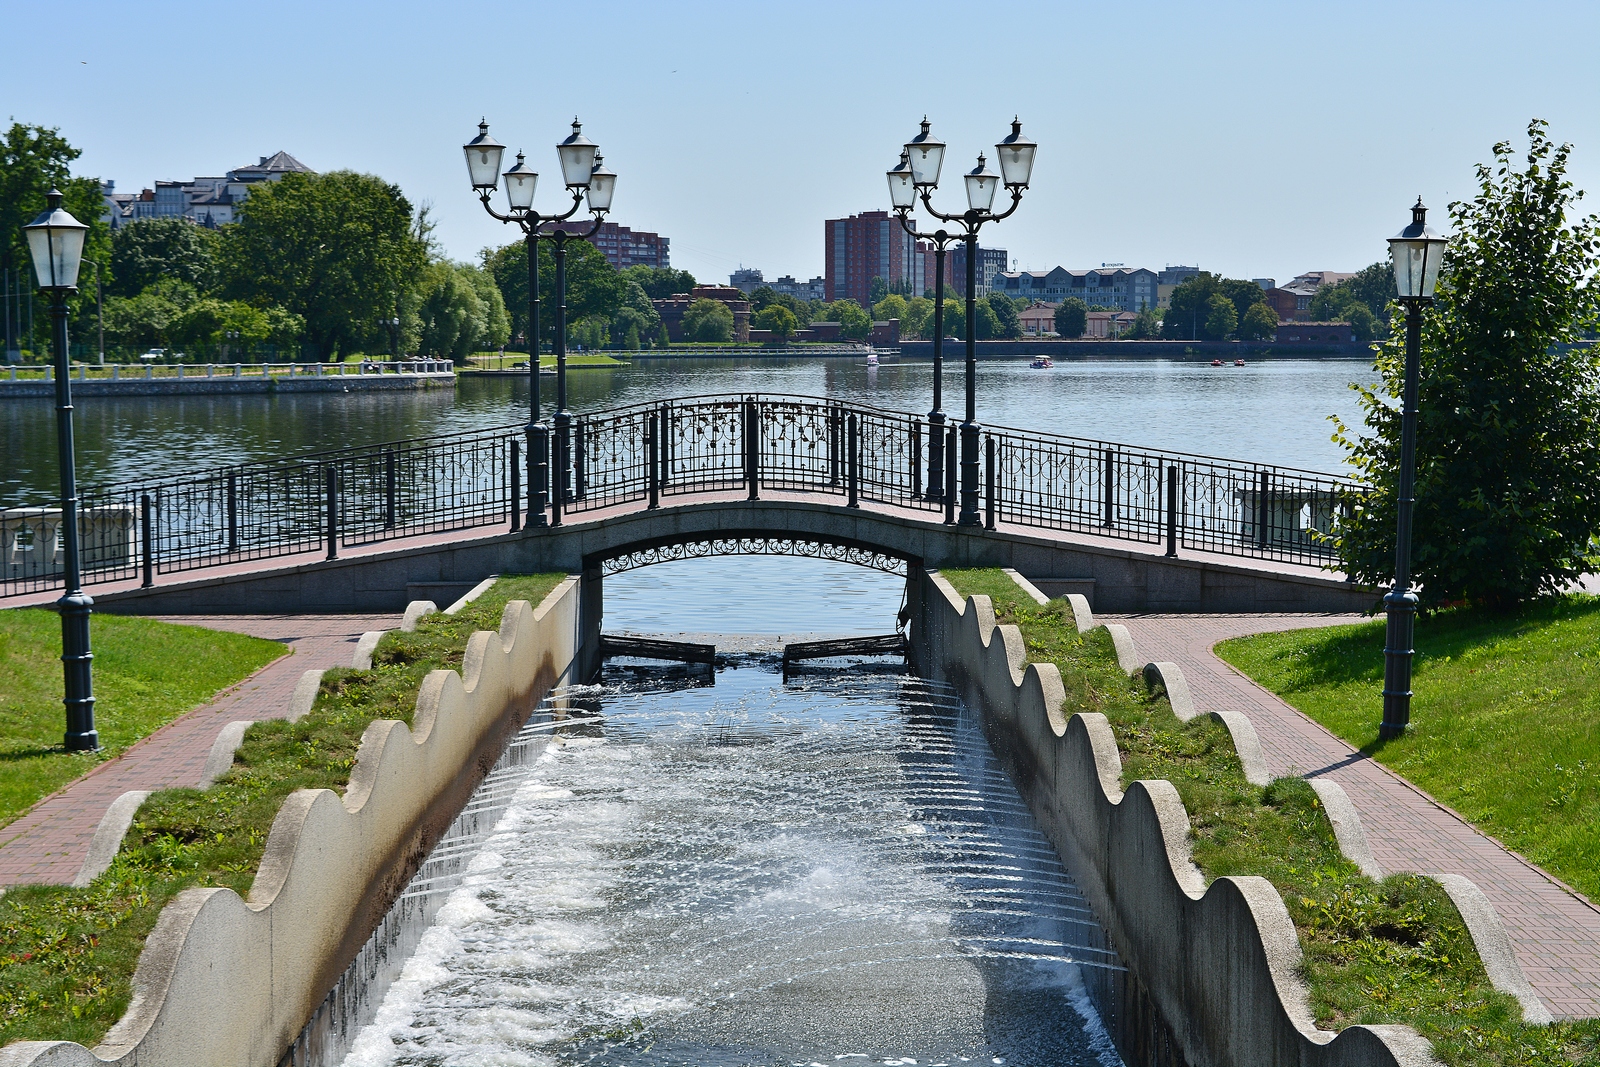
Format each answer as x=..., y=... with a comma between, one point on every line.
x=1394, y=951
x=1503, y=724
x=146, y=673
x=68, y=955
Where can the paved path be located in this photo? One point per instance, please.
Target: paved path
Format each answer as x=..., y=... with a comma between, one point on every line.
x=1555, y=932
x=49, y=843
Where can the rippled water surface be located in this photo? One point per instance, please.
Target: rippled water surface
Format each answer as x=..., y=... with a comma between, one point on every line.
x=1271, y=411
x=829, y=871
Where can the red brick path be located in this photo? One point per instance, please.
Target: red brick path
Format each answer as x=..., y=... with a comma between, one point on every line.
x=1555, y=932
x=49, y=843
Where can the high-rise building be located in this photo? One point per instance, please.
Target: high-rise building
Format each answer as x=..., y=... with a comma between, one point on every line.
x=862, y=247
x=815, y=289
x=624, y=247
x=991, y=261
x=746, y=279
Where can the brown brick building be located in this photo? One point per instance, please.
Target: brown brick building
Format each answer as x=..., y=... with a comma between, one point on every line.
x=672, y=308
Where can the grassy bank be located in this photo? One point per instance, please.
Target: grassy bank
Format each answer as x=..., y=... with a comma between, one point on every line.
x=1394, y=951
x=1503, y=725
x=68, y=955
x=146, y=673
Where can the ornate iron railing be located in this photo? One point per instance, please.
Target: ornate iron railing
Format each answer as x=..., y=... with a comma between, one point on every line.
x=645, y=455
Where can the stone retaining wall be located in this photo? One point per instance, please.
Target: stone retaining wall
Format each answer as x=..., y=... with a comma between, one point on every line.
x=229, y=982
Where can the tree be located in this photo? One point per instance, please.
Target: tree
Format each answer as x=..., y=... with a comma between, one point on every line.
x=1072, y=317
x=595, y=289
x=147, y=320
x=143, y=252
x=1221, y=317
x=877, y=289
x=778, y=319
x=892, y=306
x=34, y=160
x=708, y=322
x=1146, y=325
x=337, y=249
x=1260, y=323
x=1336, y=303
x=456, y=314
x=1007, y=326
x=1508, y=436
x=917, y=322
x=635, y=318
x=1372, y=287
x=853, y=320
x=1244, y=294
x=658, y=283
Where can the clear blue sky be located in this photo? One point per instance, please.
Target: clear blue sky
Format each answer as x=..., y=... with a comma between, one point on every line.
x=1253, y=139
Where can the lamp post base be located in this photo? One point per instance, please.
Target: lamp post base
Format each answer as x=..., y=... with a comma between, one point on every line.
x=969, y=476
x=1401, y=606
x=935, y=491
x=76, y=662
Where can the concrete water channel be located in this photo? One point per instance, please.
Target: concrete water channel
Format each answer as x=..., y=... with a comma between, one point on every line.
x=827, y=869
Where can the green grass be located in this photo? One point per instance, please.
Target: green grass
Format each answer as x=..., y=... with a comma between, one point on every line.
x=68, y=955
x=1394, y=951
x=146, y=673
x=1503, y=720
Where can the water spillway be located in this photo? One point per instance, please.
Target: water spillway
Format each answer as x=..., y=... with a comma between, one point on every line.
x=755, y=873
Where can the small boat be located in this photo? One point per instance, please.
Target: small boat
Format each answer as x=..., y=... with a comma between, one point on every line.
x=1238, y=363
x=1216, y=363
x=872, y=359
x=1042, y=362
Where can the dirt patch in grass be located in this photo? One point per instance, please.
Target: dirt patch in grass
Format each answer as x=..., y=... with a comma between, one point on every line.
x=68, y=955
x=1394, y=951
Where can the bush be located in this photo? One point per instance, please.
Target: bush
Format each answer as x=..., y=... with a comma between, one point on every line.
x=778, y=319
x=1072, y=317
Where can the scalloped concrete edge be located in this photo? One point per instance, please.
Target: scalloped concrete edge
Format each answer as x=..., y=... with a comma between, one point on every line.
x=471, y=594
x=267, y=959
x=108, y=836
x=415, y=611
x=1220, y=963
x=1483, y=923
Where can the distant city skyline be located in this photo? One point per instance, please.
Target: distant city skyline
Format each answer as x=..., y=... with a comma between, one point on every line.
x=1255, y=141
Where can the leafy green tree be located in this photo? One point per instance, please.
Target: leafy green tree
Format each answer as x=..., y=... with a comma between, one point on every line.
x=459, y=312
x=143, y=252
x=1007, y=327
x=918, y=319
x=955, y=319
x=778, y=319
x=1260, y=323
x=1335, y=303
x=1508, y=436
x=659, y=283
x=336, y=249
x=1372, y=287
x=877, y=289
x=595, y=289
x=148, y=320
x=1146, y=325
x=34, y=160
x=1221, y=317
x=853, y=320
x=1189, y=316
x=1072, y=317
x=892, y=306
x=635, y=318
x=1244, y=294
x=708, y=322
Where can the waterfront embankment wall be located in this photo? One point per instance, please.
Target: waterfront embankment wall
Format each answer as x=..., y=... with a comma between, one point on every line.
x=230, y=385
x=226, y=981
x=1212, y=970
x=1057, y=348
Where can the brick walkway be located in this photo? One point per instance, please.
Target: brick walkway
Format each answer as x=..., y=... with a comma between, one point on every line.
x=1556, y=933
x=49, y=843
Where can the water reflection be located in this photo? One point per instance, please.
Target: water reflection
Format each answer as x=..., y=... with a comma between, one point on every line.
x=1271, y=411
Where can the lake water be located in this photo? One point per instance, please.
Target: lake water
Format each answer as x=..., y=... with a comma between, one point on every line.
x=1270, y=411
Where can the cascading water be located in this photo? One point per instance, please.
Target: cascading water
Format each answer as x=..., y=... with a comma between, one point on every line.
x=755, y=873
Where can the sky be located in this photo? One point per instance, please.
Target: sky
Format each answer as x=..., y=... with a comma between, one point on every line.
x=1250, y=139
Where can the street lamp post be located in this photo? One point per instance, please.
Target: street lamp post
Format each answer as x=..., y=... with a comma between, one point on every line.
x=583, y=173
x=392, y=326
x=55, y=241
x=925, y=156
x=1417, y=252
x=903, y=198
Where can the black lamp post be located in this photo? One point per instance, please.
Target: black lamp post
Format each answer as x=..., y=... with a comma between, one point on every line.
x=582, y=172
x=925, y=157
x=903, y=198
x=1417, y=252
x=55, y=240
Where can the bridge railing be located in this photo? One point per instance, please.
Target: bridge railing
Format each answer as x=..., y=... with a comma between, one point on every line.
x=650, y=453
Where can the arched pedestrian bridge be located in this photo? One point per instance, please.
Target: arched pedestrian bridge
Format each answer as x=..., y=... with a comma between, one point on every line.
x=370, y=528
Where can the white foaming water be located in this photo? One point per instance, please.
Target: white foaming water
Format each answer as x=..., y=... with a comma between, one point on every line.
x=831, y=871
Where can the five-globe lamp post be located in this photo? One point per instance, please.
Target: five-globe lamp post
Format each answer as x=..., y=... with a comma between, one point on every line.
x=1417, y=252
x=55, y=241
x=924, y=158
x=584, y=174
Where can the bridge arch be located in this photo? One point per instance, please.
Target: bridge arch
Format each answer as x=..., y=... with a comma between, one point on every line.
x=696, y=545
